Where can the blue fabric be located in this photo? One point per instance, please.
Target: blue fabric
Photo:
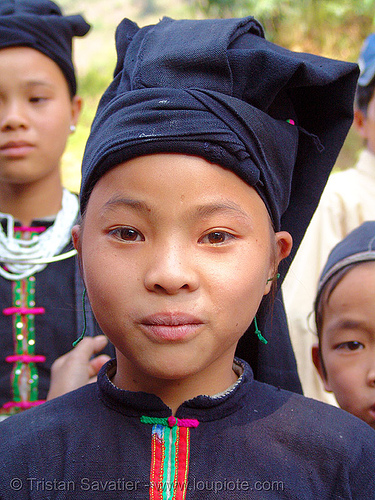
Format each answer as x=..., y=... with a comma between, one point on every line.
x=255, y=442
x=40, y=24
x=366, y=61
x=218, y=89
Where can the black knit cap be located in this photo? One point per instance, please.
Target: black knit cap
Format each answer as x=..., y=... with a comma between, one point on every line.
x=217, y=89
x=40, y=24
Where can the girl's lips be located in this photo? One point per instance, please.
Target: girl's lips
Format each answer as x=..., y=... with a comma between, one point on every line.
x=170, y=326
x=15, y=149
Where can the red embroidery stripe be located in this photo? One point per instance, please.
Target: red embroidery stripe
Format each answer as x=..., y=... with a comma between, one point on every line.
x=182, y=463
x=23, y=310
x=22, y=404
x=27, y=229
x=25, y=358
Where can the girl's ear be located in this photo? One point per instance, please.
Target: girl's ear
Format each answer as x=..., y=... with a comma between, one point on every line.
x=284, y=243
x=76, y=235
x=317, y=360
x=360, y=123
x=76, y=109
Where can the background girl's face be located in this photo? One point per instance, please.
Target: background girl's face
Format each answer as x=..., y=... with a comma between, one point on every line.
x=176, y=255
x=36, y=112
x=348, y=342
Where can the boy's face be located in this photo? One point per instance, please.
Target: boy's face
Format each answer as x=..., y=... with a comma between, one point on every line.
x=348, y=342
x=176, y=255
x=36, y=113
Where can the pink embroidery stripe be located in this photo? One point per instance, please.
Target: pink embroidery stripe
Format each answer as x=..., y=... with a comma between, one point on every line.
x=22, y=404
x=25, y=358
x=23, y=310
x=182, y=422
x=40, y=229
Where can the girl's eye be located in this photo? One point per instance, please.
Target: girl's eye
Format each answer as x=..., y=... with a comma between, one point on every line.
x=37, y=99
x=352, y=345
x=127, y=234
x=216, y=238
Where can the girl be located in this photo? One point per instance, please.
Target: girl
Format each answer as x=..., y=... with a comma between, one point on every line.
x=39, y=283
x=195, y=176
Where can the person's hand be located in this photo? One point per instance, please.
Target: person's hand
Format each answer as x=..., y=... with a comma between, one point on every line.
x=76, y=368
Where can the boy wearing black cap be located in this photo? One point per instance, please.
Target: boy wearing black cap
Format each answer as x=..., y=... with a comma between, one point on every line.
x=345, y=323
x=347, y=201
x=39, y=281
x=189, y=201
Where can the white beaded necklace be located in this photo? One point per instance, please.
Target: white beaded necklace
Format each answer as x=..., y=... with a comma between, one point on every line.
x=23, y=258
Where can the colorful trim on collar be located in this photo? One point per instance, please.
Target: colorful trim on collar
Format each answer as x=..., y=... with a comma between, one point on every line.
x=170, y=454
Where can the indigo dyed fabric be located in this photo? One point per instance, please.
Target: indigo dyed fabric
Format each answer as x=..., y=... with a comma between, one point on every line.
x=254, y=441
x=40, y=24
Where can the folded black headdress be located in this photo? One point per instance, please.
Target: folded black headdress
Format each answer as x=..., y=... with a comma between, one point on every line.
x=40, y=24
x=217, y=89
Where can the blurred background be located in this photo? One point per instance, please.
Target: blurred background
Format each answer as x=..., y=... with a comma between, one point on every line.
x=332, y=28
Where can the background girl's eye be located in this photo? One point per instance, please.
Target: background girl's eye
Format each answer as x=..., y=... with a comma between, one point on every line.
x=352, y=345
x=37, y=99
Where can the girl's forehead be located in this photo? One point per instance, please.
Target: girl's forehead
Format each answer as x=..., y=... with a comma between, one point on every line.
x=181, y=178
x=361, y=274
x=30, y=65
x=355, y=288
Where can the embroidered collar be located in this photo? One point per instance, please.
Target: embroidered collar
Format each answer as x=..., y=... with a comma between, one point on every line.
x=203, y=408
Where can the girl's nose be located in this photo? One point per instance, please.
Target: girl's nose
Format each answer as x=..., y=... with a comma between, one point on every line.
x=171, y=271
x=12, y=117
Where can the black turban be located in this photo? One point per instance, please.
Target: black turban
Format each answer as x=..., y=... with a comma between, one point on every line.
x=40, y=24
x=217, y=89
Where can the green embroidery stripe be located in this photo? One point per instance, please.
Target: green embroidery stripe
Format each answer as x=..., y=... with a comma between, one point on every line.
x=15, y=385
x=24, y=332
x=169, y=465
x=154, y=420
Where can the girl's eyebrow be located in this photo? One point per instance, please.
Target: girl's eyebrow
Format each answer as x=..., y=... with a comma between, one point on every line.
x=201, y=211
x=346, y=324
x=227, y=206
x=37, y=83
x=120, y=202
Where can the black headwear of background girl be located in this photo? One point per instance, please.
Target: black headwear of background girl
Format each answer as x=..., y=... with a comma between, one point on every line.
x=217, y=89
x=357, y=247
x=40, y=24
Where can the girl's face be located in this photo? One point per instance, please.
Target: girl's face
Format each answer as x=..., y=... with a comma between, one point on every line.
x=176, y=254
x=36, y=112
x=348, y=342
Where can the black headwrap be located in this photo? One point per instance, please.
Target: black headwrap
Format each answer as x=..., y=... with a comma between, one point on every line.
x=358, y=246
x=40, y=24
x=217, y=89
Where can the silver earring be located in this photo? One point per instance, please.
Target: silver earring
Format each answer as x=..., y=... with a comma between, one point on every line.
x=72, y=128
